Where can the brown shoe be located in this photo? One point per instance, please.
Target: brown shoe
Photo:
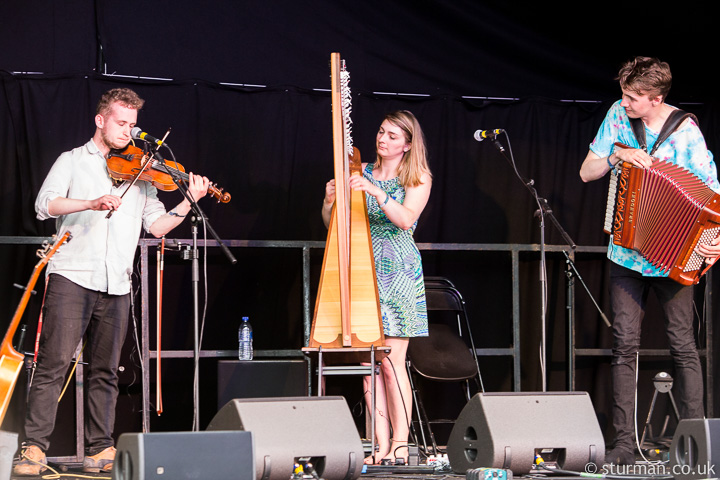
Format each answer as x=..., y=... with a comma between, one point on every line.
x=32, y=462
x=100, y=462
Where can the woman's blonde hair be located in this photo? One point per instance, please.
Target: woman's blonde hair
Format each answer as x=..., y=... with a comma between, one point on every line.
x=414, y=163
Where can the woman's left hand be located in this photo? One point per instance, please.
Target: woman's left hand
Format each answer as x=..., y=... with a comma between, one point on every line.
x=358, y=182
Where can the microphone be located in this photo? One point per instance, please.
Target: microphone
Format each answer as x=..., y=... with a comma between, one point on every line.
x=481, y=135
x=138, y=134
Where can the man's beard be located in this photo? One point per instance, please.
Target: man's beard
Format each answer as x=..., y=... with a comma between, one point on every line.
x=108, y=143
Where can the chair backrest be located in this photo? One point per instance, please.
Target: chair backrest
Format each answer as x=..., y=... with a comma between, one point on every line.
x=444, y=298
x=438, y=281
x=447, y=299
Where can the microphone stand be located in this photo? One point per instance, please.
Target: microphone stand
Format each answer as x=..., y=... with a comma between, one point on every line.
x=196, y=218
x=543, y=211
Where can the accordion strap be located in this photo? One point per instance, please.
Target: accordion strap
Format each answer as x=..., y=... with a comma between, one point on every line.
x=675, y=118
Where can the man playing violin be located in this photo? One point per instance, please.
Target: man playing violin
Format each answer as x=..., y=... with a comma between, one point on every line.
x=89, y=279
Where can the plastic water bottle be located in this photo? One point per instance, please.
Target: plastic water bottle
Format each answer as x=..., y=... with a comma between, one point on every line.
x=245, y=340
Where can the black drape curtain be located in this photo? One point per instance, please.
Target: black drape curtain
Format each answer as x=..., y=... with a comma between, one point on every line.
x=243, y=88
x=270, y=148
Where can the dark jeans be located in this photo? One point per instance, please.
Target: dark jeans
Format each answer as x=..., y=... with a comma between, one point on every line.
x=70, y=311
x=628, y=294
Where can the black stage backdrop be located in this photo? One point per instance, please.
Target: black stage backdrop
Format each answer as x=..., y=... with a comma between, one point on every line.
x=244, y=87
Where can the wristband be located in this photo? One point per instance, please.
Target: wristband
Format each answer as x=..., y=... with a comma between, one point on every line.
x=387, y=199
x=607, y=159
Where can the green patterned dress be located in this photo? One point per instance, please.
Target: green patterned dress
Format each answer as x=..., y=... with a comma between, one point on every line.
x=398, y=266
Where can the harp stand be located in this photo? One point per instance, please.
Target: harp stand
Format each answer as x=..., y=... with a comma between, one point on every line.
x=543, y=211
x=358, y=356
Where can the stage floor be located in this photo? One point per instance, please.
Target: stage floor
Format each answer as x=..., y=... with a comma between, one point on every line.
x=430, y=468
x=421, y=472
x=78, y=474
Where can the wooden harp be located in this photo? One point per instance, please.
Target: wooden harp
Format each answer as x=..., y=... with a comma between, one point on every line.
x=347, y=308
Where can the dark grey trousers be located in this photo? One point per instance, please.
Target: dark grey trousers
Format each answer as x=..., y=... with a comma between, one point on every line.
x=69, y=312
x=628, y=293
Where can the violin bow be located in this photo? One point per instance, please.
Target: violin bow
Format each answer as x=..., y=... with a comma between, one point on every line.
x=37, y=342
x=160, y=270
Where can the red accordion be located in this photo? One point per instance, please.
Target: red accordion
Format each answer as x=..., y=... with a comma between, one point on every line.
x=663, y=212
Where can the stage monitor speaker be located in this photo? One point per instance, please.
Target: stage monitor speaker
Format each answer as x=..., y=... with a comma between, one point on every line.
x=695, y=449
x=291, y=430
x=184, y=456
x=507, y=430
x=8, y=447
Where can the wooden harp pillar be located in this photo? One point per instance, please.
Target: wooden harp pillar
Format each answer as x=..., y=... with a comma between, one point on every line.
x=347, y=309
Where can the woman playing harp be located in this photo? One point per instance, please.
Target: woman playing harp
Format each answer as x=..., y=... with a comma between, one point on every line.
x=397, y=187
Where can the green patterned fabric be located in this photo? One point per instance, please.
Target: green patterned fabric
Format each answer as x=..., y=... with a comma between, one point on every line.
x=398, y=267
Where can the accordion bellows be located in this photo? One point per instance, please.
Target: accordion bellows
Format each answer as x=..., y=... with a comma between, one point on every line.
x=663, y=212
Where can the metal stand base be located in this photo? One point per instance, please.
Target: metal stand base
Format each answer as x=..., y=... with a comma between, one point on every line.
x=663, y=384
x=363, y=361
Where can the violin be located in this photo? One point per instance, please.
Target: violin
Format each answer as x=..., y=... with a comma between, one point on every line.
x=132, y=164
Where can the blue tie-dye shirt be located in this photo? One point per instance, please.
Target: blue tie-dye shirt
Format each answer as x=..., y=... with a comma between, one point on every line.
x=684, y=147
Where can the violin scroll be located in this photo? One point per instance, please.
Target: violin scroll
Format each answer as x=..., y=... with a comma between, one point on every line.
x=219, y=194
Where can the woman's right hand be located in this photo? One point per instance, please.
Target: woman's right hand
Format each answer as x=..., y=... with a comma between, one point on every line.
x=328, y=202
x=330, y=192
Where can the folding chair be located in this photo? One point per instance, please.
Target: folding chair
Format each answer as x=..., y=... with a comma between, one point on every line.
x=447, y=354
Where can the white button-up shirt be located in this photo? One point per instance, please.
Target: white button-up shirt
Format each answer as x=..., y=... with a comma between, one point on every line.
x=100, y=254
